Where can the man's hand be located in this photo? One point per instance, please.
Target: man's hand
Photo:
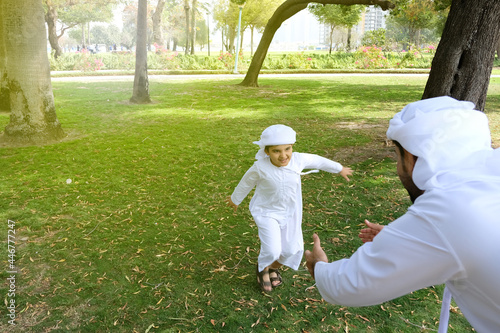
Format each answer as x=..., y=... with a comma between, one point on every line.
x=316, y=255
x=368, y=234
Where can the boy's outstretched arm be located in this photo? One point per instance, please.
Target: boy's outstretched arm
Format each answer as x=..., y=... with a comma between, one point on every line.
x=346, y=172
x=230, y=203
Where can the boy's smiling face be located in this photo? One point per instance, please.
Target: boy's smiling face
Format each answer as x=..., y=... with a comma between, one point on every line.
x=280, y=155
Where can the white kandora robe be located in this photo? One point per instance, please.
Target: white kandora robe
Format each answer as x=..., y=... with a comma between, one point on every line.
x=451, y=234
x=276, y=205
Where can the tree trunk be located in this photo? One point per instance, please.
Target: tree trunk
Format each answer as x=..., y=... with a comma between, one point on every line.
x=230, y=38
x=349, y=35
x=498, y=48
x=251, y=41
x=462, y=65
x=286, y=10
x=141, y=81
x=193, y=25
x=241, y=41
x=83, y=36
x=186, y=9
x=157, y=30
x=4, y=90
x=51, y=19
x=330, y=37
x=33, y=118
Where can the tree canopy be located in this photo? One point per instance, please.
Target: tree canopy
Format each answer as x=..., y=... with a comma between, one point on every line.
x=336, y=16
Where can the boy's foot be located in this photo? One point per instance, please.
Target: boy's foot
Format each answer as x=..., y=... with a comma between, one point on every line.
x=275, y=277
x=263, y=280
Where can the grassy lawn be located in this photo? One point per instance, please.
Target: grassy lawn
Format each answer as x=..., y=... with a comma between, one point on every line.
x=140, y=240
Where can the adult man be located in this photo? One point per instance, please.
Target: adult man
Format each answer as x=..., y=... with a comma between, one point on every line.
x=451, y=233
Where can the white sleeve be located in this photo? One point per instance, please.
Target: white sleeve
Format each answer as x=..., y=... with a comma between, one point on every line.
x=407, y=255
x=246, y=184
x=312, y=161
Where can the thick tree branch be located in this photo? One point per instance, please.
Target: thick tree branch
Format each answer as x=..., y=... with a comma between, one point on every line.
x=284, y=12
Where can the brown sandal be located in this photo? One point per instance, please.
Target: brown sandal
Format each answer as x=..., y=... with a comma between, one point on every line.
x=277, y=278
x=260, y=280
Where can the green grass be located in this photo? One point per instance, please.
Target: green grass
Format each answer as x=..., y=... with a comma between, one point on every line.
x=141, y=239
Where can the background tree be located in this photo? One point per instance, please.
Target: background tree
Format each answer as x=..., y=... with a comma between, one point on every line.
x=129, y=30
x=173, y=18
x=192, y=30
x=375, y=37
x=70, y=13
x=157, y=26
x=33, y=117
x=141, y=80
x=462, y=65
x=104, y=34
x=226, y=18
x=336, y=16
x=255, y=16
x=187, y=12
x=414, y=16
x=201, y=33
x=286, y=10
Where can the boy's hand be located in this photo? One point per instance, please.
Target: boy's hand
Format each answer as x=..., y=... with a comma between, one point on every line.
x=230, y=203
x=346, y=172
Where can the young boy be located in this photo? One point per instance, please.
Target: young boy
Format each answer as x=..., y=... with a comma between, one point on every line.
x=277, y=202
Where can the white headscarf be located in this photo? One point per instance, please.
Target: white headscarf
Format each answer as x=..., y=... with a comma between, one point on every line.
x=443, y=132
x=274, y=135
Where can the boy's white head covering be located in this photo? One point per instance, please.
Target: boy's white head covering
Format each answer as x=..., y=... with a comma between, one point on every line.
x=443, y=133
x=275, y=135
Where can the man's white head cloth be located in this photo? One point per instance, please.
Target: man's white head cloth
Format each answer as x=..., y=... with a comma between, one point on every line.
x=275, y=135
x=442, y=132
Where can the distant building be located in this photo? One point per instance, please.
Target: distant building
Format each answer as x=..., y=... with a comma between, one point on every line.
x=372, y=19
x=300, y=31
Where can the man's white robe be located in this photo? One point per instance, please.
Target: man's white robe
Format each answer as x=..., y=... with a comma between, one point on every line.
x=451, y=234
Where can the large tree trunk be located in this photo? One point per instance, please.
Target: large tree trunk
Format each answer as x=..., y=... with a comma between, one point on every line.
x=498, y=48
x=157, y=30
x=141, y=81
x=4, y=90
x=33, y=117
x=51, y=19
x=283, y=13
x=462, y=65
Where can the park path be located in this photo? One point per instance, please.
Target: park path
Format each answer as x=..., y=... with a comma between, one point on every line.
x=159, y=78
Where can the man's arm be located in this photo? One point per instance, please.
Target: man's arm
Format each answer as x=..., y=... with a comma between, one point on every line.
x=405, y=256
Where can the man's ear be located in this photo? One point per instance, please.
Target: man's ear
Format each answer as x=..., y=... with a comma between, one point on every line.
x=408, y=161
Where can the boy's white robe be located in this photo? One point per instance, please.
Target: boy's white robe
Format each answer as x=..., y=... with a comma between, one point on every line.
x=278, y=200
